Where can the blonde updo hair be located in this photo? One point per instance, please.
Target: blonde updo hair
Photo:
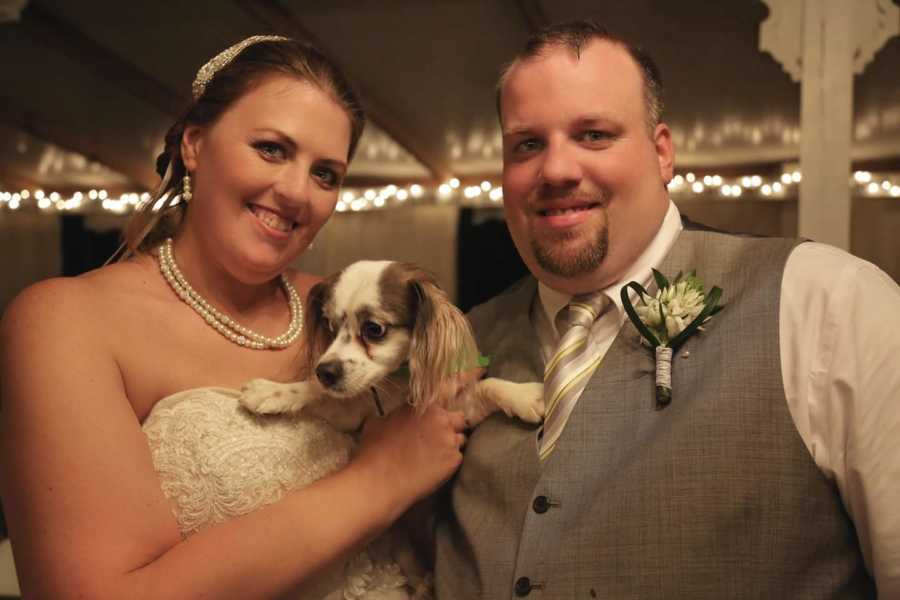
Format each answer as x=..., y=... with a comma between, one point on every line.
x=147, y=227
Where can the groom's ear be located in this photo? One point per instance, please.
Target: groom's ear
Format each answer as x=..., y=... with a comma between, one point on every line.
x=665, y=151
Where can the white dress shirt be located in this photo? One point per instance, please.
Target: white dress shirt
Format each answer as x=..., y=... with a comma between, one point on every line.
x=839, y=339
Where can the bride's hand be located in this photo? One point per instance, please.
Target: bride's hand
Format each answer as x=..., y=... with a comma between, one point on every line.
x=412, y=455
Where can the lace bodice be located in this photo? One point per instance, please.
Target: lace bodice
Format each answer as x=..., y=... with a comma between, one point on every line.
x=216, y=461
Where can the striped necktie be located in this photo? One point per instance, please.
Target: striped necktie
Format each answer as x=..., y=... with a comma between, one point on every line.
x=572, y=363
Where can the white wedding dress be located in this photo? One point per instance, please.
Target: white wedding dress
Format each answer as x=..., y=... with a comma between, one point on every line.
x=216, y=461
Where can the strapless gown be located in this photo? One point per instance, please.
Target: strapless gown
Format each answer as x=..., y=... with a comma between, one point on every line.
x=216, y=461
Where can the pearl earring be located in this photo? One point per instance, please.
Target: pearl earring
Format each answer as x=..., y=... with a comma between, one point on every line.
x=186, y=193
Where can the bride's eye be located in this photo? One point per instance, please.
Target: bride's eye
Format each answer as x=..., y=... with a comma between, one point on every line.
x=373, y=331
x=271, y=151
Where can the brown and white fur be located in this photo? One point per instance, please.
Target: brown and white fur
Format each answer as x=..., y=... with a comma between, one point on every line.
x=365, y=323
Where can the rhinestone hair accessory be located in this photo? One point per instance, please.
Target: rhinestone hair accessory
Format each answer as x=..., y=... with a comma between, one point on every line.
x=220, y=60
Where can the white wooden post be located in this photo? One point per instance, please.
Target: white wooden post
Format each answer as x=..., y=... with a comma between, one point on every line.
x=826, y=112
x=822, y=43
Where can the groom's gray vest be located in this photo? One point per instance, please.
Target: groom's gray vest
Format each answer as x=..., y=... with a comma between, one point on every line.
x=715, y=496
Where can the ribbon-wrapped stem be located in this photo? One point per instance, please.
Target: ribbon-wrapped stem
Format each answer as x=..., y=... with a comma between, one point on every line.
x=663, y=376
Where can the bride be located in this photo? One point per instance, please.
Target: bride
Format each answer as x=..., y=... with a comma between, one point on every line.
x=128, y=470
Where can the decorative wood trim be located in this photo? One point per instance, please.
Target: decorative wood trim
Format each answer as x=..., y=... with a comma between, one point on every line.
x=876, y=22
x=782, y=33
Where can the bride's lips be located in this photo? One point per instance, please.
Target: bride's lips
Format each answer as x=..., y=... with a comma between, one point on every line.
x=272, y=220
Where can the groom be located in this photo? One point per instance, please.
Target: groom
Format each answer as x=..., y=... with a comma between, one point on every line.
x=775, y=469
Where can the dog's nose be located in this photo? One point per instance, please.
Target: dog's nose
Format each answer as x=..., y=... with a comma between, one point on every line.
x=329, y=372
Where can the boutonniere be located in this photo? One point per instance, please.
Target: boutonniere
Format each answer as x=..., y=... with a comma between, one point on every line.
x=667, y=320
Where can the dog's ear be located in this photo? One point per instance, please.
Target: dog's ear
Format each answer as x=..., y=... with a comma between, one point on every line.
x=318, y=331
x=443, y=345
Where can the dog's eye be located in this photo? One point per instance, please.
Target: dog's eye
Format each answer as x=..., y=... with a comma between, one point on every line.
x=371, y=330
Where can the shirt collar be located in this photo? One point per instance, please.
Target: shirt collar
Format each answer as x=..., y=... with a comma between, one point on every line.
x=553, y=301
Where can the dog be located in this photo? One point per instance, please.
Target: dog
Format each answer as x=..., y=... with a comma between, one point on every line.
x=380, y=334
x=367, y=322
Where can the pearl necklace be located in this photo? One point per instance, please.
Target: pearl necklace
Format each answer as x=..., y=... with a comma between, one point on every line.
x=221, y=322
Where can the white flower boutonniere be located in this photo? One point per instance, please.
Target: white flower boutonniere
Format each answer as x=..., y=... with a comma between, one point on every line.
x=667, y=320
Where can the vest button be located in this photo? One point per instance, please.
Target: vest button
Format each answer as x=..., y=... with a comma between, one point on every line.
x=523, y=586
x=540, y=505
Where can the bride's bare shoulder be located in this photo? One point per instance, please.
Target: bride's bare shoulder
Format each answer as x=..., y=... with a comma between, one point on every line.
x=91, y=299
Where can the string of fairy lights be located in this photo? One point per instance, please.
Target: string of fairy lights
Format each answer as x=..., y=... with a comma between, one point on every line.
x=483, y=194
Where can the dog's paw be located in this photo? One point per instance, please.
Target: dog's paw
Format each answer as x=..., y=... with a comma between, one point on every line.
x=265, y=397
x=528, y=402
x=524, y=401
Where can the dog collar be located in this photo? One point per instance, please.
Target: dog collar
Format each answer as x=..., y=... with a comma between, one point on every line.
x=403, y=371
x=377, y=400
